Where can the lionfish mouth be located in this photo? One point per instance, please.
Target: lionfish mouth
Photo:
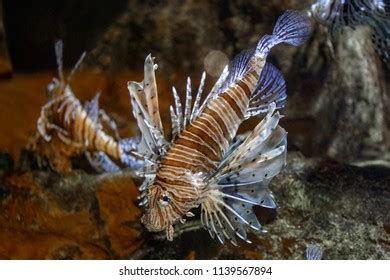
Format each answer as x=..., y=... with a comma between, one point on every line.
x=150, y=226
x=168, y=228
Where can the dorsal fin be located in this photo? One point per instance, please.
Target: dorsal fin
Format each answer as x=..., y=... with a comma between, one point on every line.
x=195, y=109
x=178, y=119
x=150, y=140
x=237, y=68
x=188, y=104
x=151, y=93
x=216, y=90
x=76, y=66
x=144, y=100
x=59, y=50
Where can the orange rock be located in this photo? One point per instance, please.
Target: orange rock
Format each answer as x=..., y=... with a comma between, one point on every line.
x=31, y=245
x=191, y=255
x=80, y=216
x=116, y=199
x=252, y=255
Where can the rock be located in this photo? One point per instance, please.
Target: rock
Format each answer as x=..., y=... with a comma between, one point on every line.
x=351, y=104
x=46, y=216
x=342, y=208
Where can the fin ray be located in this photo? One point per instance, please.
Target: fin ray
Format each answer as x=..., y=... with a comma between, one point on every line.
x=271, y=87
x=293, y=27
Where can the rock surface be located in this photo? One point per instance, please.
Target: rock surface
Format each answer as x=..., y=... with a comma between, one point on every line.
x=45, y=216
x=80, y=216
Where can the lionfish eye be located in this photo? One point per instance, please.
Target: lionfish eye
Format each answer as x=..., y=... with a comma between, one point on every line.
x=165, y=199
x=50, y=87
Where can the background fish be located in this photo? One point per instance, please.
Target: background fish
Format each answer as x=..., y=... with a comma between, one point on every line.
x=203, y=165
x=81, y=127
x=373, y=13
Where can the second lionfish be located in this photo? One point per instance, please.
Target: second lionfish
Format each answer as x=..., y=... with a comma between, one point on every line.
x=206, y=164
x=79, y=129
x=373, y=13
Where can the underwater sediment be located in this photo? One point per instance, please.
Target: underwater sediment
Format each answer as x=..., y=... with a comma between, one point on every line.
x=81, y=216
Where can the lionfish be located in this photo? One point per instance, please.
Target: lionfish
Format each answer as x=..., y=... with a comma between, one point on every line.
x=80, y=127
x=206, y=164
x=373, y=13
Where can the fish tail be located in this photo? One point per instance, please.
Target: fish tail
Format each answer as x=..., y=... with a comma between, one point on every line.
x=101, y=162
x=293, y=28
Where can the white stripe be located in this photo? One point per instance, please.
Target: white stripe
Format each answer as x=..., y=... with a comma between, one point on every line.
x=201, y=141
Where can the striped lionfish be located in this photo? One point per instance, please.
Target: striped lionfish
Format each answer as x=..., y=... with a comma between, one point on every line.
x=372, y=13
x=205, y=164
x=79, y=127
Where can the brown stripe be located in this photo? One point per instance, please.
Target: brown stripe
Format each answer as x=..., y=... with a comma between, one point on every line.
x=172, y=162
x=93, y=143
x=117, y=150
x=214, y=114
x=244, y=87
x=208, y=164
x=210, y=132
x=198, y=145
x=160, y=216
x=165, y=180
x=106, y=143
x=213, y=123
x=83, y=127
x=233, y=103
x=176, y=208
x=204, y=135
x=78, y=127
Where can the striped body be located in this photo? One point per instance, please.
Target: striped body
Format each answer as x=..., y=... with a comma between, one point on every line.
x=198, y=150
x=206, y=164
x=82, y=131
x=78, y=128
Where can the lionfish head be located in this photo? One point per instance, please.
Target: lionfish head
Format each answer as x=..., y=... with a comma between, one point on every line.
x=162, y=210
x=55, y=88
x=167, y=205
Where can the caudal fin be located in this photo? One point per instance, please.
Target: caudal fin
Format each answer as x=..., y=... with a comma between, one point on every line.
x=293, y=28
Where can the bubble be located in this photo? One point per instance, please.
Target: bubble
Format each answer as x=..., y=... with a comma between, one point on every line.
x=214, y=62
